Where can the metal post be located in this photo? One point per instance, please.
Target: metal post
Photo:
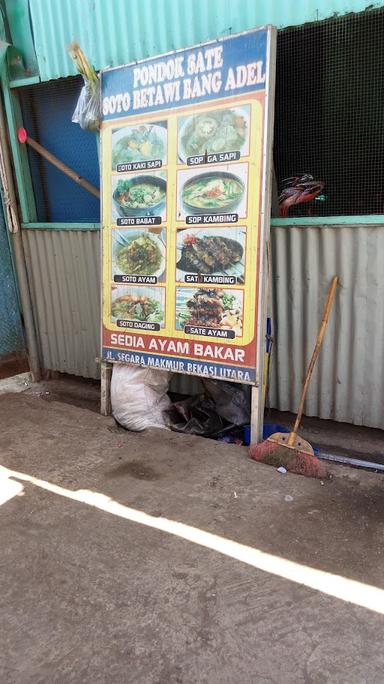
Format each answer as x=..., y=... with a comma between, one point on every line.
x=13, y=223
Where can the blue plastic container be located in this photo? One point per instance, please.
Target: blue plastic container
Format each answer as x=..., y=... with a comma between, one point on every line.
x=268, y=430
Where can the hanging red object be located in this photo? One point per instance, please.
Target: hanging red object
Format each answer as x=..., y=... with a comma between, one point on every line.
x=22, y=135
x=297, y=190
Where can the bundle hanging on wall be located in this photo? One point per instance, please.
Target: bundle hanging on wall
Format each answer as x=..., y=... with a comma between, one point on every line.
x=87, y=113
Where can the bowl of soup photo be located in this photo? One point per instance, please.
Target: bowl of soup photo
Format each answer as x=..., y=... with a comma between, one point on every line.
x=140, y=196
x=212, y=193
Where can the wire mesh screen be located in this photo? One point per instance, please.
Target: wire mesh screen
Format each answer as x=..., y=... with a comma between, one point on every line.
x=329, y=124
x=47, y=111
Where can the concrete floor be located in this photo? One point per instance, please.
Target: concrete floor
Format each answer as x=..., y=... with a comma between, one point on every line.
x=91, y=596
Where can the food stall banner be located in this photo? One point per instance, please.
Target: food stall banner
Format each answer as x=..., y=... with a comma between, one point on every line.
x=186, y=142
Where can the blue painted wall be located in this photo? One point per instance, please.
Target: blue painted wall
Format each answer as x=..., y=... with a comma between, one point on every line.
x=11, y=332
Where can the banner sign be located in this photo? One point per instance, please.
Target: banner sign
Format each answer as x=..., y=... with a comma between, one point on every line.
x=184, y=178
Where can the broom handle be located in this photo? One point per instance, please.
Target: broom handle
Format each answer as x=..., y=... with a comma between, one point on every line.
x=320, y=335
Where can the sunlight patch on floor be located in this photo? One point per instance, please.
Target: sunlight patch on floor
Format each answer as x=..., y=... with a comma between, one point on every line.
x=339, y=587
x=9, y=489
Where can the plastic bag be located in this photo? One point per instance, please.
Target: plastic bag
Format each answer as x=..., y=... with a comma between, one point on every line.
x=232, y=400
x=88, y=113
x=223, y=407
x=197, y=416
x=139, y=397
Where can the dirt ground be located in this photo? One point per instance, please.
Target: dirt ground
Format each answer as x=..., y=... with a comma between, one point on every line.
x=13, y=364
x=94, y=591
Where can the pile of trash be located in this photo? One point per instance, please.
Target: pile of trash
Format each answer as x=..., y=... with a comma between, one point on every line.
x=140, y=400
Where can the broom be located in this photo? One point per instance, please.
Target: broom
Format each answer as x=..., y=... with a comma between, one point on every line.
x=290, y=450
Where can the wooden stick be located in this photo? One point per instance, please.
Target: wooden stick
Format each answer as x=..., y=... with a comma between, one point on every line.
x=62, y=167
x=105, y=400
x=319, y=340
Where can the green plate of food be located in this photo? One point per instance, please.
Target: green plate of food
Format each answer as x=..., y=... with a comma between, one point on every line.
x=138, y=304
x=138, y=252
x=139, y=143
x=223, y=130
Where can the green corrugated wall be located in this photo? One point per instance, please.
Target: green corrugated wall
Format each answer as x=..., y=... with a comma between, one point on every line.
x=113, y=32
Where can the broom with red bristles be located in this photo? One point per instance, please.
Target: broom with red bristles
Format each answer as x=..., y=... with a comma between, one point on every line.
x=290, y=450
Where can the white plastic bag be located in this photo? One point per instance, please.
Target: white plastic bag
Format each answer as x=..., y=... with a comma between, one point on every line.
x=139, y=396
x=87, y=113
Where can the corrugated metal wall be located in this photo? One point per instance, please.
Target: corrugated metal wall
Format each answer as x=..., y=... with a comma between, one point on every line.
x=63, y=266
x=348, y=383
x=64, y=275
x=121, y=31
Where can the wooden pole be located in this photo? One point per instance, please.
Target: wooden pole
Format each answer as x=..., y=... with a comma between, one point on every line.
x=315, y=354
x=106, y=376
x=24, y=138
